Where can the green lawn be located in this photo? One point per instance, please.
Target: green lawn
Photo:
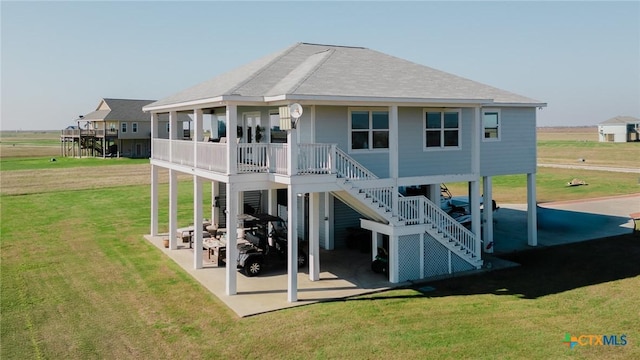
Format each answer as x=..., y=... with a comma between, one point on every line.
x=36, y=163
x=79, y=281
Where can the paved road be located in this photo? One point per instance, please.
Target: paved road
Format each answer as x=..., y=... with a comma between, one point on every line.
x=590, y=167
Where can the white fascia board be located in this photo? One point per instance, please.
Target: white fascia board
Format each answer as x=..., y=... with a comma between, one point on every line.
x=367, y=100
x=392, y=230
x=204, y=103
x=497, y=104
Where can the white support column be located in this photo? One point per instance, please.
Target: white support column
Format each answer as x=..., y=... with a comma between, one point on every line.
x=393, y=156
x=474, y=186
x=197, y=222
x=292, y=152
x=272, y=202
x=232, y=241
x=314, y=236
x=154, y=129
x=474, y=205
x=232, y=139
x=394, y=269
x=154, y=200
x=240, y=197
x=375, y=241
x=487, y=221
x=173, y=209
x=215, y=205
x=173, y=131
x=328, y=220
x=197, y=134
x=532, y=220
x=475, y=142
x=292, y=240
x=272, y=209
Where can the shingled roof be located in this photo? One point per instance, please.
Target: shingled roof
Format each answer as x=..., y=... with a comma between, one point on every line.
x=119, y=110
x=328, y=72
x=621, y=120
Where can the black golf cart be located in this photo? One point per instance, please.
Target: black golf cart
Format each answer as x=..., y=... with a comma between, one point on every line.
x=266, y=246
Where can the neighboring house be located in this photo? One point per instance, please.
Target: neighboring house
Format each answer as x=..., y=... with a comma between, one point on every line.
x=371, y=123
x=619, y=129
x=118, y=127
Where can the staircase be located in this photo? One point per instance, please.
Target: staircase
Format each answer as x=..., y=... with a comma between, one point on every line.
x=376, y=203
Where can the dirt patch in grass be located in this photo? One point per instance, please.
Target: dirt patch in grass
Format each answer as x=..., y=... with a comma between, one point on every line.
x=22, y=182
x=553, y=270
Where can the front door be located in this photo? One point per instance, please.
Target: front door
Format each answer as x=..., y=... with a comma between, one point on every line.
x=251, y=130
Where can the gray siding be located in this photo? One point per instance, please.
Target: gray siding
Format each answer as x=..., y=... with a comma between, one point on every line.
x=332, y=127
x=343, y=217
x=515, y=152
x=415, y=161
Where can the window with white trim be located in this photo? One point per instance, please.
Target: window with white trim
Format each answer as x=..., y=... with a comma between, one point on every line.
x=442, y=129
x=134, y=127
x=123, y=127
x=369, y=129
x=491, y=124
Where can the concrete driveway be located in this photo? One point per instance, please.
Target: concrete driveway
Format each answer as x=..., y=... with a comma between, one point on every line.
x=565, y=222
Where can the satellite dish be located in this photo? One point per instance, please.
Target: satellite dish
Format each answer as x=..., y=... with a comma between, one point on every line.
x=295, y=110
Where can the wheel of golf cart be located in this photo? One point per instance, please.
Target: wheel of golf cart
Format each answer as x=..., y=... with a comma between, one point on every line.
x=252, y=267
x=377, y=266
x=302, y=259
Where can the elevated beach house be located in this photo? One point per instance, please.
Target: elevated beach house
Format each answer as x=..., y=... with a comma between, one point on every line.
x=327, y=135
x=117, y=127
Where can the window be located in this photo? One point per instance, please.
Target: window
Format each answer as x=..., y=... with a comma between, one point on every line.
x=442, y=129
x=277, y=135
x=369, y=129
x=491, y=124
x=134, y=127
x=123, y=127
x=168, y=126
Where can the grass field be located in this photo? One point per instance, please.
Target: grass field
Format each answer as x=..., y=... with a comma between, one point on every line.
x=78, y=281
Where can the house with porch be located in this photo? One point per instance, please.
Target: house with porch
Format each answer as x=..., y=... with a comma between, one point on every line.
x=326, y=136
x=117, y=127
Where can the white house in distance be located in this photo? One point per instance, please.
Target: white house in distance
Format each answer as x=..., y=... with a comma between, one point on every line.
x=371, y=123
x=619, y=129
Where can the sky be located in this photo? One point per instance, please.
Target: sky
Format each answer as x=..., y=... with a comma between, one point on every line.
x=58, y=59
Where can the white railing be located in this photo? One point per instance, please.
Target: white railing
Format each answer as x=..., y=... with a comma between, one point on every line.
x=315, y=158
x=419, y=210
x=212, y=156
x=278, y=156
x=161, y=149
x=182, y=152
x=252, y=158
x=348, y=168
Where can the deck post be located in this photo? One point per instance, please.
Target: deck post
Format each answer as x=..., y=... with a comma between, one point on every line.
x=314, y=236
x=232, y=240
x=487, y=221
x=393, y=157
x=532, y=220
x=154, y=200
x=292, y=244
x=173, y=209
x=394, y=268
x=232, y=139
x=197, y=222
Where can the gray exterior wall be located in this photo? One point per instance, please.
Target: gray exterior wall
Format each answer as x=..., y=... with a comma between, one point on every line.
x=415, y=161
x=515, y=152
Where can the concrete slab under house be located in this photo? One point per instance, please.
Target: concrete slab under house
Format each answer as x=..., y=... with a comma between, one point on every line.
x=326, y=137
